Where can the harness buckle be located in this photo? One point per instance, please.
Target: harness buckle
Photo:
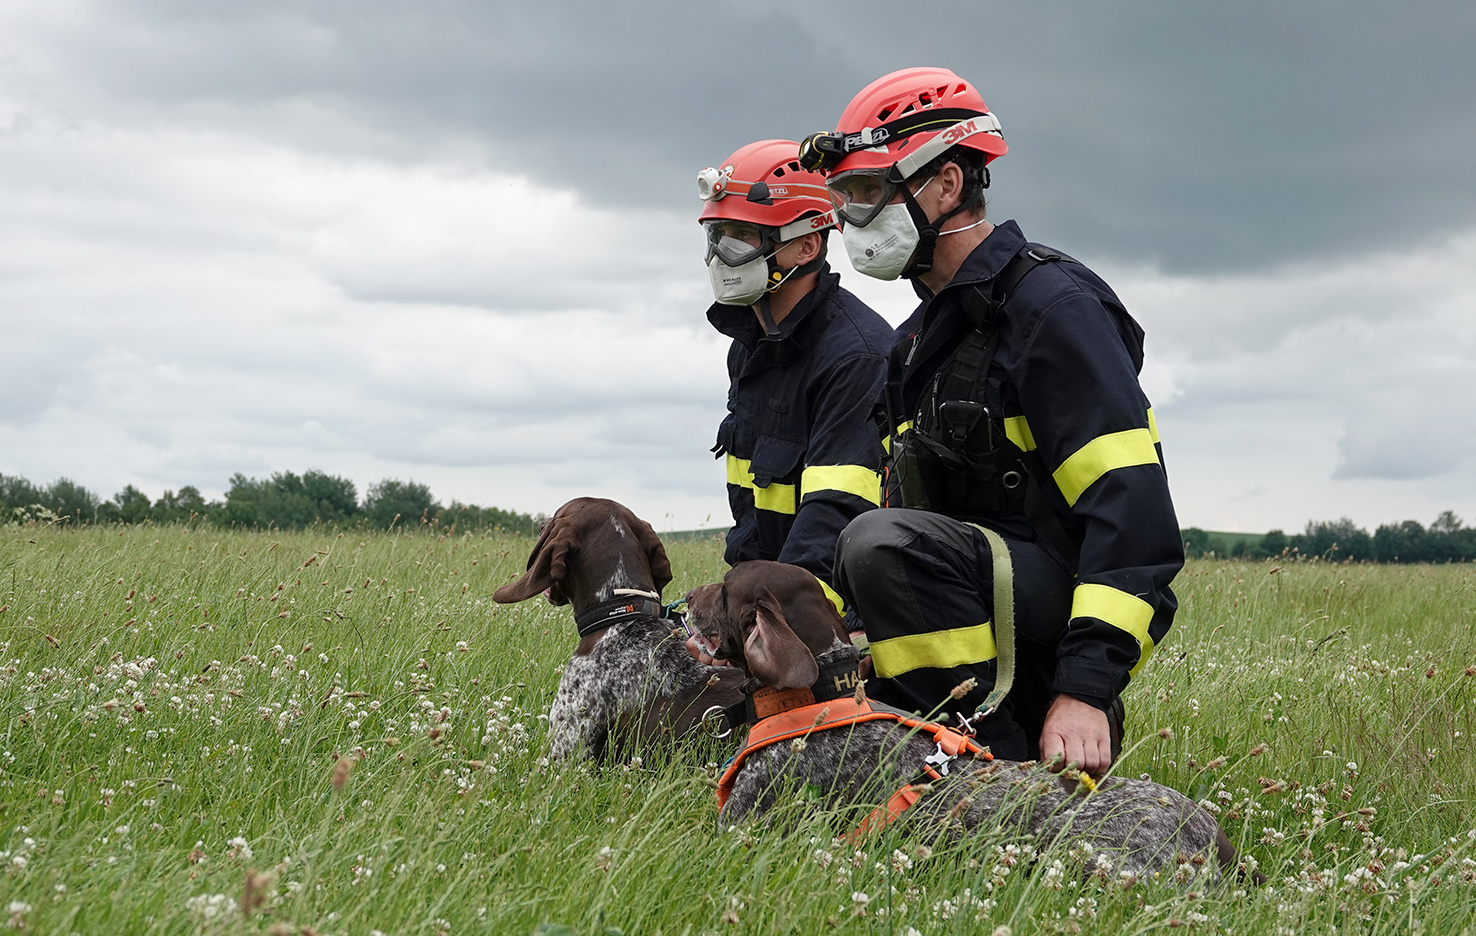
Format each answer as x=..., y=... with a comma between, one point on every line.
x=939, y=760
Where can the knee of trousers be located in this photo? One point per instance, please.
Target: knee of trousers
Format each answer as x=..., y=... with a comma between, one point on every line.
x=876, y=555
x=869, y=543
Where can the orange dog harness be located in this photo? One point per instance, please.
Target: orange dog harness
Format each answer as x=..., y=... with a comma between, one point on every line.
x=843, y=713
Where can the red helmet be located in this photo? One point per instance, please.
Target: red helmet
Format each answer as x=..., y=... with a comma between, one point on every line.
x=906, y=119
x=764, y=184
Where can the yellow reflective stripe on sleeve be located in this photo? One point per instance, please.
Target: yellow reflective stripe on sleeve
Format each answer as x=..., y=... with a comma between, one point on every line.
x=852, y=479
x=1017, y=430
x=1123, y=611
x=835, y=598
x=942, y=649
x=778, y=498
x=1101, y=455
x=1152, y=426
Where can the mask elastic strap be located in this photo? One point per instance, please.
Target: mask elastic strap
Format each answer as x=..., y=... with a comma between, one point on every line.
x=966, y=227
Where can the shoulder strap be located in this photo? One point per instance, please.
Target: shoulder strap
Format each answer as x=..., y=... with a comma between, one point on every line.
x=982, y=306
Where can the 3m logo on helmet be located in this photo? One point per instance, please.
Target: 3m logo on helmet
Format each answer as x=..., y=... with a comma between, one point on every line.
x=958, y=131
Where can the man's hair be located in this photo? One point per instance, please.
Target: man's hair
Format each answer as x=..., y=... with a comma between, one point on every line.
x=971, y=163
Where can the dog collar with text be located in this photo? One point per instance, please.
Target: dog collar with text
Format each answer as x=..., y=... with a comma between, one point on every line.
x=615, y=610
x=836, y=680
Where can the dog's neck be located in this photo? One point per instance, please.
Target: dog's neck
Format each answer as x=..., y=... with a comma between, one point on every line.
x=605, y=572
x=611, y=566
x=838, y=678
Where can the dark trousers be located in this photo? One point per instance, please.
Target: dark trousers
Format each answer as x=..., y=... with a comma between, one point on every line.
x=923, y=585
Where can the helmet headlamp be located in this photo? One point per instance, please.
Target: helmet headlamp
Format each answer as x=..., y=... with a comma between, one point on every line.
x=712, y=184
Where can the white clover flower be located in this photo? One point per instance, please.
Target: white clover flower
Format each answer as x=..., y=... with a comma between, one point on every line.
x=210, y=906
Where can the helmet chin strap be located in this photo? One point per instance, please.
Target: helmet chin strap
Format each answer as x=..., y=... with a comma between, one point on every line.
x=777, y=278
x=771, y=330
x=928, y=232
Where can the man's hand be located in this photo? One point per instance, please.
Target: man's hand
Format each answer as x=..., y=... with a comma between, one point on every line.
x=1076, y=733
x=701, y=655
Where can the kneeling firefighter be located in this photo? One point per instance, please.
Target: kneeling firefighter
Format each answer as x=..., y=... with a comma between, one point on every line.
x=1035, y=539
x=806, y=364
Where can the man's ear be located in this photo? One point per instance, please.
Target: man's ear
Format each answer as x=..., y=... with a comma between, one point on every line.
x=811, y=246
x=547, y=565
x=775, y=656
x=950, y=186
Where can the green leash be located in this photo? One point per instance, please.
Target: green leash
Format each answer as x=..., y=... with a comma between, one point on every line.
x=1004, y=619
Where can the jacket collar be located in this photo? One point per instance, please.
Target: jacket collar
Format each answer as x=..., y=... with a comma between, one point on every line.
x=985, y=262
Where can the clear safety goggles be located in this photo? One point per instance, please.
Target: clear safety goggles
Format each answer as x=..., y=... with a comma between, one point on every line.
x=860, y=194
x=736, y=242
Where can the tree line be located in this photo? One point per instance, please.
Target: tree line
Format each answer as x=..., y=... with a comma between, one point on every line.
x=1445, y=540
x=285, y=501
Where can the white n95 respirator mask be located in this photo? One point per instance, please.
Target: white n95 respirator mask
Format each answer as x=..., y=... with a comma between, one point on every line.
x=739, y=285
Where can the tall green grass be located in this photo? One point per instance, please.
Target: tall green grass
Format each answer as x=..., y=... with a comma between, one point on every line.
x=349, y=723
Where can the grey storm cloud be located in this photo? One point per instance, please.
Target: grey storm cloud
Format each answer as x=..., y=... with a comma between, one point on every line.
x=455, y=240
x=1200, y=137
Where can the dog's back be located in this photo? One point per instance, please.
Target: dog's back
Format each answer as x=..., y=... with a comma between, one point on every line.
x=1135, y=826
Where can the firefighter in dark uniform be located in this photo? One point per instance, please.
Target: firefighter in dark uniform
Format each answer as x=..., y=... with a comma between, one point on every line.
x=1022, y=451
x=807, y=363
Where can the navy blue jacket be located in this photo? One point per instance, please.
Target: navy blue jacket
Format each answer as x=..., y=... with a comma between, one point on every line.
x=1064, y=384
x=802, y=453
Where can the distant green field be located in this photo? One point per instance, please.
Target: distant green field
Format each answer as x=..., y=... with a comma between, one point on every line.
x=207, y=732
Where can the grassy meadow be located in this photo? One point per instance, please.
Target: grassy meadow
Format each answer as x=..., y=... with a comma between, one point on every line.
x=323, y=733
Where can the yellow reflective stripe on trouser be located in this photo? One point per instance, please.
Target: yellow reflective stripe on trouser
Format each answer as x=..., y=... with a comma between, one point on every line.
x=778, y=498
x=1123, y=611
x=835, y=598
x=852, y=479
x=1101, y=455
x=942, y=649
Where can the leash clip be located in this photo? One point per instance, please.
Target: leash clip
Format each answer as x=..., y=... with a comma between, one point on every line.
x=672, y=611
x=966, y=725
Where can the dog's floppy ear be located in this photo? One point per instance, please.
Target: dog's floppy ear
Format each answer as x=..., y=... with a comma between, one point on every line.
x=774, y=654
x=655, y=554
x=546, y=566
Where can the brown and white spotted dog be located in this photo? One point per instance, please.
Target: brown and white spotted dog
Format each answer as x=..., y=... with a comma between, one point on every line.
x=773, y=621
x=630, y=681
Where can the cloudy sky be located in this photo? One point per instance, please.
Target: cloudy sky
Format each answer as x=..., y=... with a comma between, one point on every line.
x=454, y=240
